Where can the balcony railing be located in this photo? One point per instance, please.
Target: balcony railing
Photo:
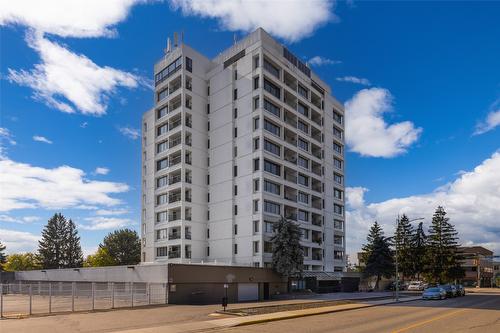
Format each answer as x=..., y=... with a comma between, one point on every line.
x=316, y=256
x=188, y=254
x=175, y=161
x=174, y=124
x=188, y=235
x=174, y=217
x=174, y=179
x=175, y=142
x=174, y=198
x=174, y=236
x=174, y=254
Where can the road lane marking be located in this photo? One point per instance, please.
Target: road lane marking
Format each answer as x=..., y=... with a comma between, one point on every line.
x=421, y=323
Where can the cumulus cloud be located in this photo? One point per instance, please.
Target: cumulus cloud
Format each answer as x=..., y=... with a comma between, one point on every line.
x=43, y=139
x=321, y=61
x=472, y=202
x=65, y=80
x=101, y=171
x=6, y=135
x=19, y=220
x=291, y=20
x=27, y=186
x=104, y=223
x=353, y=79
x=367, y=132
x=492, y=120
x=18, y=241
x=107, y=212
x=130, y=132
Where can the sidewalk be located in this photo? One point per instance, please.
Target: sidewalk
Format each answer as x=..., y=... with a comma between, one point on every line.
x=209, y=325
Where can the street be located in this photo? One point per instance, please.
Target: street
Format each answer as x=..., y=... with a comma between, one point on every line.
x=472, y=313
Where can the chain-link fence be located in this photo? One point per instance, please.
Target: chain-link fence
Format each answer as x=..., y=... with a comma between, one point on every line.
x=19, y=299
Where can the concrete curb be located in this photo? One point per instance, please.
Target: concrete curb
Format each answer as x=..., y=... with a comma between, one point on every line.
x=311, y=313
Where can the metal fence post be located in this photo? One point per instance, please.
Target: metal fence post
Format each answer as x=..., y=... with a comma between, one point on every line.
x=93, y=294
x=50, y=297
x=112, y=295
x=72, y=297
x=1, y=301
x=166, y=293
x=31, y=298
x=149, y=293
x=132, y=292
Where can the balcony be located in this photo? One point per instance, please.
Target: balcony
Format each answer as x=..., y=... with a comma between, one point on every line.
x=290, y=156
x=174, y=179
x=189, y=84
x=290, y=80
x=316, y=151
x=175, y=142
x=187, y=214
x=174, y=254
x=290, y=100
x=317, y=237
x=290, y=119
x=316, y=134
x=316, y=185
x=316, y=100
x=290, y=194
x=317, y=254
x=290, y=137
x=175, y=104
x=317, y=220
x=187, y=196
x=290, y=213
x=174, y=85
x=174, y=236
x=317, y=202
x=290, y=175
x=174, y=123
x=187, y=235
x=316, y=168
x=175, y=160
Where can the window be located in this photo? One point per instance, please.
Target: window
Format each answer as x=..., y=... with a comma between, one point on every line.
x=337, y=148
x=337, y=163
x=208, y=179
x=256, y=102
x=339, y=179
x=208, y=233
x=256, y=164
x=235, y=151
x=161, y=164
x=162, y=181
x=303, y=215
x=189, y=64
x=271, y=68
x=255, y=226
x=256, y=143
x=235, y=228
x=272, y=89
x=271, y=207
x=304, y=233
x=161, y=251
x=272, y=187
x=275, y=110
x=256, y=82
x=338, y=209
x=303, y=198
x=338, y=224
x=303, y=162
x=162, y=130
x=235, y=94
x=338, y=117
x=208, y=144
x=161, y=217
x=338, y=194
x=162, y=146
x=256, y=62
x=235, y=209
x=272, y=128
x=256, y=247
x=161, y=234
x=272, y=148
x=273, y=168
x=235, y=113
x=235, y=248
x=303, y=92
x=208, y=108
x=303, y=180
x=208, y=251
x=168, y=71
x=236, y=74
x=268, y=247
x=339, y=255
x=337, y=132
x=256, y=206
x=161, y=199
x=161, y=112
x=303, y=144
x=236, y=132
x=235, y=171
x=304, y=110
x=268, y=227
x=235, y=190
x=303, y=126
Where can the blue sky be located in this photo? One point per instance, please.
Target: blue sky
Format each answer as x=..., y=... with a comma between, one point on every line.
x=421, y=83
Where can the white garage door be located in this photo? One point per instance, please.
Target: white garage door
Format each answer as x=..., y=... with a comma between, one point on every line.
x=248, y=292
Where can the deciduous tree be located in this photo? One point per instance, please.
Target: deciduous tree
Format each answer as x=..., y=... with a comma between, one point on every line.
x=124, y=246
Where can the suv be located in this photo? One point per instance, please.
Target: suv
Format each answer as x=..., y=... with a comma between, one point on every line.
x=416, y=286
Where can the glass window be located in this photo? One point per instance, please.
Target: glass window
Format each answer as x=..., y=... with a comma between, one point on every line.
x=272, y=128
x=304, y=110
x=256, y=164
x=162, y=164
x=272, y=148
x=273, y=168
x=256, y=123
x=256, y=82
x=303, y=215
x=303, y=92
x=161, y=112
x=337, y=132
x=338, y=209
x=275, y=110
x=271, y=68
x=337, y=163
x=271, y=207
x=162, y=129
x=272, y=187
x=161, y=199
x=303, y=144
x=337, y=148
x=338, y=194
x=303, y=126
x=303, y=197
x=189, y=64
x=338, y=178
x=162, y=181
x=303, y=162
x=338, y=224
x=272, y=89
x=303, y=180
x=338, y=117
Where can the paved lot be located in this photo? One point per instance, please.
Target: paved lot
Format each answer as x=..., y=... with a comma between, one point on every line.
x=473, y=313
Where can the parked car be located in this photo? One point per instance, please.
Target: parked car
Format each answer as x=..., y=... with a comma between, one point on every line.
x=416, y=286
x=460, y=290
x=451, y=290
x=434, y=293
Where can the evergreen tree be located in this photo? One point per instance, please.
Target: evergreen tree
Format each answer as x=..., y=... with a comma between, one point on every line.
x=73, y=250
x=403, y=241
x=52, y=246
x=288, y=256
x=123, y=246
x=443, y=257
x=3, y=257
x=419, y=242
x=377, y=255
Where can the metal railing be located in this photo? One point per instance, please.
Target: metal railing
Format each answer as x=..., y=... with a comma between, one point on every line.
x=21, y=299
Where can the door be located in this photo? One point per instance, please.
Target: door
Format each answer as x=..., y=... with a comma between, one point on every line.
x=266, y=290
x=248, y=292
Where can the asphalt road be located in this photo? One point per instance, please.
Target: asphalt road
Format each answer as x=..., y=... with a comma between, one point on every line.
x=472, y=313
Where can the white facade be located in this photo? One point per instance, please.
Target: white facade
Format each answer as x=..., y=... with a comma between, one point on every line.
x=252, y=134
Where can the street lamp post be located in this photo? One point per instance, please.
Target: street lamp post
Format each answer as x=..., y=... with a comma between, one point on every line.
x=397, y=266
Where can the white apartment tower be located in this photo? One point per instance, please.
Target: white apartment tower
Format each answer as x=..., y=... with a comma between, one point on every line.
x=233, y=143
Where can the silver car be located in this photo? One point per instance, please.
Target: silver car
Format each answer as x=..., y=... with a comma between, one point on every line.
x=434, y=293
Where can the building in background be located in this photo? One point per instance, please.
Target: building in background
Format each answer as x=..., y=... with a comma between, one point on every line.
x=233, y=143
x=478, y=265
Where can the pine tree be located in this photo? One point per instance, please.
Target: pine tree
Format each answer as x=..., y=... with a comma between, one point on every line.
x=51, y=248
x=123, y=246
x=3, y=257
x=403, y=242
x=73, y=251
x=288, y=256
x=419, y=242
x=443, y=257
x=377, y=255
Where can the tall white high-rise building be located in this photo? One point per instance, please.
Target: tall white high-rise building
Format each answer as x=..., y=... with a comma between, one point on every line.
x=233, y=143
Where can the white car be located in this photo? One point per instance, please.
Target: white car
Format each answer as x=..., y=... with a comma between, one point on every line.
x=416, y=286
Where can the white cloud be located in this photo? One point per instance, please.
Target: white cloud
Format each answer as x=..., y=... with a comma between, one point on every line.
x=107, y=212
x=321, y=61
x=19, y=220
x=6, y=135
x=84, y=124
x=353, y=79
x=291, y=20
x=104, y=223
x=492, y=120
x=18, y=241
x=472, y=202
x=130, y=132
x=65, y=80
x=368, y=134
x=27, y=186
x=76, y=18
x=101, y=171
x=40, y=138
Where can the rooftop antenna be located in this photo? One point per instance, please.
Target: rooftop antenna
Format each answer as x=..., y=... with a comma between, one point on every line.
x=176, y=39
x=234, y=38
x=182, y=37
x=169, y=46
